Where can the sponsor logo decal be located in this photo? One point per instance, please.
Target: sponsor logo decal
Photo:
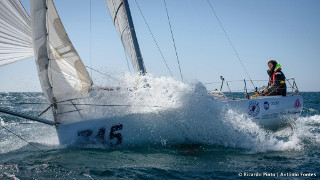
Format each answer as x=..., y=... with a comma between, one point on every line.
x=297, y=104
x=266, y=105
x=275, y=103
x=254, y=108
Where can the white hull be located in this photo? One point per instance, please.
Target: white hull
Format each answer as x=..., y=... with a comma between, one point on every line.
x=271, y=112
x=126, y=131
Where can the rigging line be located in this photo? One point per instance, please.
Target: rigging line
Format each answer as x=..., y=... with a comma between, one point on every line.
x=24, y=8
x=21, y=138
x=154, y=38
x=113, y=105
x=225, y=32
x=174, y=44
x=44, y=111
x=90, y=39
x=21, y=103
x=76, y=108
x=104, y=74
x=69, y=100
x=236, y=81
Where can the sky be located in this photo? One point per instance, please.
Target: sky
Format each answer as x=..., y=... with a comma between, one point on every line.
x=286, y=30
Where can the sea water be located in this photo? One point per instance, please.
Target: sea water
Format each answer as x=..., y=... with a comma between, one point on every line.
x=219, y=142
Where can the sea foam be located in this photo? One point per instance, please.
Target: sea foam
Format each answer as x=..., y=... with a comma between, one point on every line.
x=189, y=113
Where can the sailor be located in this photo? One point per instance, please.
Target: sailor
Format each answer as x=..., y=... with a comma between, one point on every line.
x=277, y=84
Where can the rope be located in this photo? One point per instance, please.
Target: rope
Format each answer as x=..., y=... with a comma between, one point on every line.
x=76, y=108
x=273, y=90
x=90, y=39
x=291, y=94
x=70, y=100
x=73, y=104
x=21, y=138
x=104, y=105
x=104, y=74
x=113, y=105
x=24, y=8
x=154, y=39
x=21, y=103
x=233, y=81
x=44, y=111
x=235, y=51
x=174, y=44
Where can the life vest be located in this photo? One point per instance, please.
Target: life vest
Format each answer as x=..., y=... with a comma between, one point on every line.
x=277, y=69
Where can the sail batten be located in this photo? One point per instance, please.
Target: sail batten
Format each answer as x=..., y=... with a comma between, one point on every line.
x=121, y=16
x=114, y=21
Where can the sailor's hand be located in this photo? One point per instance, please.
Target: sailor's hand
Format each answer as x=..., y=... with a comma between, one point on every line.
x=265, y=91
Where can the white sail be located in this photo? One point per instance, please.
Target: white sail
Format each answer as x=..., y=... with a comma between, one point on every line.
x=61, y=71
x=121, y=17
x=15, y=32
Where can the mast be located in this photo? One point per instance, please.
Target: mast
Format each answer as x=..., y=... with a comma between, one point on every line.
x=134, y=38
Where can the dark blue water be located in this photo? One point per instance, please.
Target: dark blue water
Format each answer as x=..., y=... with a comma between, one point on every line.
x=290, y=154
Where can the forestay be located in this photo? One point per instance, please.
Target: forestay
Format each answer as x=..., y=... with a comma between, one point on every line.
x=15, y=32
x=121, y=17
x=60, y=69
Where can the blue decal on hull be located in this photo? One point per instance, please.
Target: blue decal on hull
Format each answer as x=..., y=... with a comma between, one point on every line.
x=266, y=105
x=254, y=108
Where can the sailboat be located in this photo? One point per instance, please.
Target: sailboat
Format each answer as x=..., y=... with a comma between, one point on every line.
x=66, y=82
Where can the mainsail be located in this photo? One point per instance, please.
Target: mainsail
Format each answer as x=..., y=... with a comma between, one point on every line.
x=15, y=32
x=121, y=16
x=61, y=71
